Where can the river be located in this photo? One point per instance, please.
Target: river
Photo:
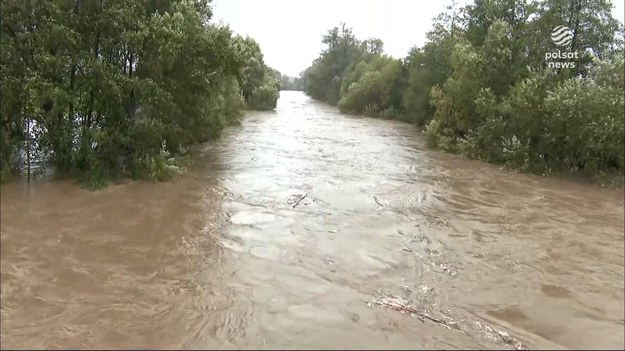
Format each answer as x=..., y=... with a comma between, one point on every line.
x=286, y=230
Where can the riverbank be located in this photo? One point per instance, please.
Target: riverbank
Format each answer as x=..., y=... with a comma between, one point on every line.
x=121, y=98
x=480, y=87
x=603, y=180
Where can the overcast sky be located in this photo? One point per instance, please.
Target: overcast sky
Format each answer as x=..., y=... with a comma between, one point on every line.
x=289, y=31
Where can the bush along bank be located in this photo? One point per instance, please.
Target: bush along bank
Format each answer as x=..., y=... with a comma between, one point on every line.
x=494, y=84
x=104, y=90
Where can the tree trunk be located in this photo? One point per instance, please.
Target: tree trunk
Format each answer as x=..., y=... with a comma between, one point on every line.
x=28, y=148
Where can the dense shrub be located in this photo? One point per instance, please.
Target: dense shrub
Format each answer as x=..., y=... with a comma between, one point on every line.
x=481, y=86
x=97, y=90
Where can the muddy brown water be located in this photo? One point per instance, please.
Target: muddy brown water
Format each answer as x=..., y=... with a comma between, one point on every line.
x=290, y=225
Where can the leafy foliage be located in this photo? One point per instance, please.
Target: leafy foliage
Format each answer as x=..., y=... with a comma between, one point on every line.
x=480, y=84
x=106, y=89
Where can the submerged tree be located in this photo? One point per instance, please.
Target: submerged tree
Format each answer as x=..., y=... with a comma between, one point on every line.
x=120, y=87
x=481, y=86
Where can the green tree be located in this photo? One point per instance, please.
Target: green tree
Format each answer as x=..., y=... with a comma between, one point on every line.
x=481, y=86
x=104, y=89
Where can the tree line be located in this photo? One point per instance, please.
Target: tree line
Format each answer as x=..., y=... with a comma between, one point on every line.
x=485, y=85
x=288, y=82
x=102, y=89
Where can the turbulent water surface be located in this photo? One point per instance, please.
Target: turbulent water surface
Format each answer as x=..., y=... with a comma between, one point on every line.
x=292, y=226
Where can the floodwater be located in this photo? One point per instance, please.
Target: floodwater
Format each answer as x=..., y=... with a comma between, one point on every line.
x=287, y=230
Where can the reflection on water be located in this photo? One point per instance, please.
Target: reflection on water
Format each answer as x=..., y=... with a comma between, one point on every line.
x=290, y=224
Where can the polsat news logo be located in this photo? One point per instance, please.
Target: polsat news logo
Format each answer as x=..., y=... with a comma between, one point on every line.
x=561, y=36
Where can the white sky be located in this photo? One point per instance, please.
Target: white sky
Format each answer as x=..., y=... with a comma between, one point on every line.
x=289, y=31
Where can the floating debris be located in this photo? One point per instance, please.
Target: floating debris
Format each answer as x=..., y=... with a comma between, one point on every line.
x=448, y=269
x=496, y=335
x=296, y=199
x=375, y=198
x=401, y=305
